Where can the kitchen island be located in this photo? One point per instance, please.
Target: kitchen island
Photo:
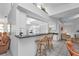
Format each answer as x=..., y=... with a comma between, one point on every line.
x=24, y=46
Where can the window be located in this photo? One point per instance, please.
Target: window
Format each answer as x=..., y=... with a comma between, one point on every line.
x=2, y=28
x=8, y=27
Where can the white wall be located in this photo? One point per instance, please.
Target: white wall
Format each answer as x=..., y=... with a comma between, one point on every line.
x=27, y=46
x=21, y=21
x=44, y=28
x=14, y=45
x=12, y=15
x=17, y=21
x=70, y=29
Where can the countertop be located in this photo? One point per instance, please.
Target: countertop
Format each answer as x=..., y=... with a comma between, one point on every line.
x=28, y=36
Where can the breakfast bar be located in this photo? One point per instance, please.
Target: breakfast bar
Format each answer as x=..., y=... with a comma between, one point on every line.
x=25, y=45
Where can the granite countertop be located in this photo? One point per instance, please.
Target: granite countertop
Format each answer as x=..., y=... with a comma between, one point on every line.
x=28, y=36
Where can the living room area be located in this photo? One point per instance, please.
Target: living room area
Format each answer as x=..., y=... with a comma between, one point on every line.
x=39, y=29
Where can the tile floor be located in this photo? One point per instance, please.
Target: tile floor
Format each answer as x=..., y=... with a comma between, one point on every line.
x=6, y=54
x=60, y=49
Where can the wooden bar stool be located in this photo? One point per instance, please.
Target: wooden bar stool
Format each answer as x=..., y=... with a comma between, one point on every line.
x=38, y=47
x=41, y=47
x=49, y=42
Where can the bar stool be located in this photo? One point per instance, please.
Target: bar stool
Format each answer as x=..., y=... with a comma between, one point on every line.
x=41, y=47
x=49, y=42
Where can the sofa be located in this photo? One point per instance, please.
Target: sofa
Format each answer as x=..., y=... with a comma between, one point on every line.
x=4, y=43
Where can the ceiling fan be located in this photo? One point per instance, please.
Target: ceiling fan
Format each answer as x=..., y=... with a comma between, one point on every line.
x=40, y=6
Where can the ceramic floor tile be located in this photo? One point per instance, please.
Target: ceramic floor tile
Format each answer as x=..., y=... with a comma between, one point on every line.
x=6, y=54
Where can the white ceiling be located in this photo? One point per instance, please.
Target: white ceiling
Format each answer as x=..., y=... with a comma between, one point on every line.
x=55, y=8
x=4, y=9
x=66, y=12
x=62, y=11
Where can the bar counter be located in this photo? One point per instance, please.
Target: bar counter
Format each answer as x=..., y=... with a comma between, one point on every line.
x=25, y=46
x=28, y=36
